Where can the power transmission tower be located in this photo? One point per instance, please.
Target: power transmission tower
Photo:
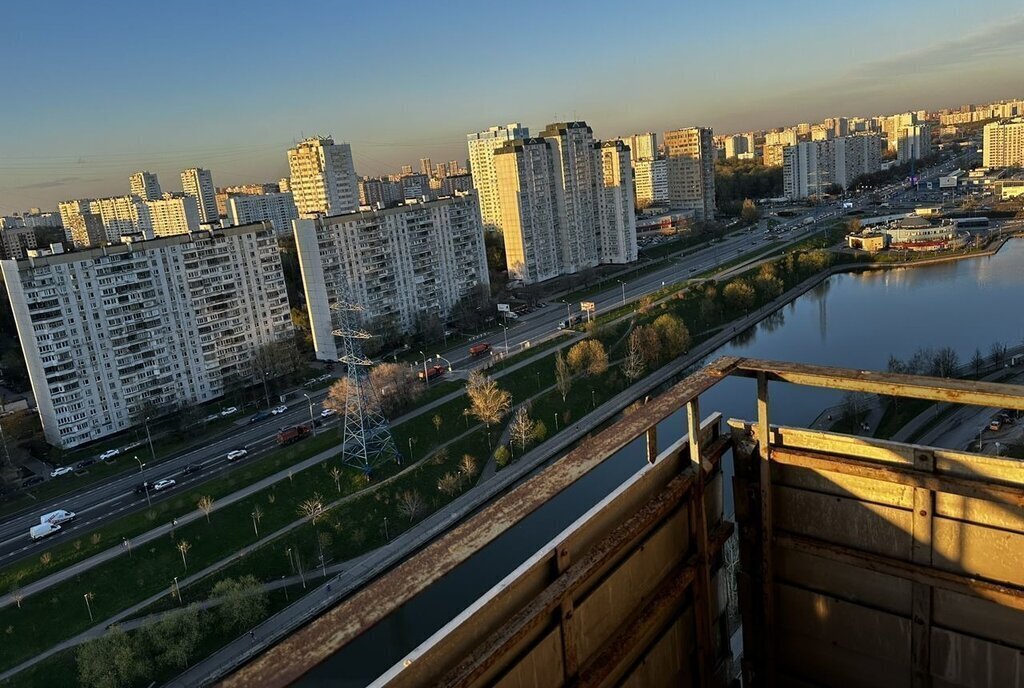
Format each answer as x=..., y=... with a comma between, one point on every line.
x=366, y=440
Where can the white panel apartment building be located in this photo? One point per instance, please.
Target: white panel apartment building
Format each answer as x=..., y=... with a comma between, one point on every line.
x=397, y=263
x=482, y=146
x=198, y=183
x=323, y=177
x=651, y=180
x=276, y=208
x=1004, y=144
x=618, y=219
x=810, y=167
x=108, y=331
x=145, y=185
x=577, y=193
x=172, y=215
x=691, y=170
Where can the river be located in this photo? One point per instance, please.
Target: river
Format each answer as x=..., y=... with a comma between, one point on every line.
x=850, y=320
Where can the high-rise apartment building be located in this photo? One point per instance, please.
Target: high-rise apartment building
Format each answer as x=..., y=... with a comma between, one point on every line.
x=641, y=146
x=222, y=195
x=913, y=142
x=276, y=208
x=855, y=156
x=15, y=242
x=691, y=170
x=738, y=144
x=380, y=192
x=577, y=185
x=617, y=219
x=145, y=185
x=651, y=181
x=416, y=186
x=399, y=264
x=172, y=215
x=110, y=332
x=456, y=183
x=198, y=183
x=1003, y=144
x=525, y=180
x=426, y=167
x=284, y=184
x=774, y=143
x=811, y=167
x=84, y=229
x=323, y=177
x=482, y=146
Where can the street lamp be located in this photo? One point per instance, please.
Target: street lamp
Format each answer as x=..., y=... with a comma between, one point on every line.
x=152, y=454
x=177, y=590
x=266, y=392
x=410, y=449
x=503, y=327
x=426, y=380
x=386, y=536
x=128, y=545
x=442, y=358
x=312, y=423
x=624, y=291
x=145, y=485
x=87, y=597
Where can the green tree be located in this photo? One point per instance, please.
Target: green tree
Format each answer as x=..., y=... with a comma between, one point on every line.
x=243, y=602
x=588, y=357
x=740, y=294
x=113, y=660
x=487, y=402
x=174, y=638
x=749, y=212
x=672, y=332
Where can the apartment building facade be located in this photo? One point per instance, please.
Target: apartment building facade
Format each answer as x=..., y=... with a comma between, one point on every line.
x=617, y=221
x=171, y=215
x=110, y=331
x=650, y=178
x=276, y=208
x=323, y=177
x=15, y=242
x=1003, y=144
x=577, y=174
x=399, y=264
x=690, y=155
x=482, y=147
x=145, y=185
x=198, y=183
x=811, y=167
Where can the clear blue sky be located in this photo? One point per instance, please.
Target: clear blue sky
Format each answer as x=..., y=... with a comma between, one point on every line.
x=94, y=90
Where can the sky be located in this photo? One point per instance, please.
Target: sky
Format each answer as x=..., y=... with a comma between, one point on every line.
x=95, y=90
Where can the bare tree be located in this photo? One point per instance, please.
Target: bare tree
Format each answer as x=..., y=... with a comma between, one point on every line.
x=563, y=376
x=17, y=594
x=449, y=483
x=437, y=422
x=396, y=387
x=312, y=508
x=977, y=362
x=184, y=546
x=335, y=474
x=521, y=428
x=411, y=504
x=257, y=515
x=468, y=466
x=997, y=354
x=488, y=402
x=633, y=367
x=205, y=505
x=947, y=361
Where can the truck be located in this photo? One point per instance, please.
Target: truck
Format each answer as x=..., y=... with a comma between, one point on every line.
x=479, y=349
x=807, y=221
x=571, y=321
x=433, y=372
x=293, y=434
x=57, y=517
x=43, y=530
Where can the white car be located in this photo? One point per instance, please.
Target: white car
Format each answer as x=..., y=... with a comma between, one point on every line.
x=237, y=454
x=109, y=454
x=229, y=410
x=63, y=470
x=277, y=410
x=328, y=412
x=164, y=484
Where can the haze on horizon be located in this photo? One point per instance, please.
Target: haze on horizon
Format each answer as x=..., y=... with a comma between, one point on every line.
x=93, y=95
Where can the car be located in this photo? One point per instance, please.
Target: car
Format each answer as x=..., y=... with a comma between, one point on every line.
x=165, y=484
x=140, y=489
x=236, y=454
x=192, y=468
x=34, y=480
x=328, y=412
x=260, y=415
x=63, y=470
x=229, y=410
x=277, y=410
x=109, y=454
x=995, y=424
x=84, y=463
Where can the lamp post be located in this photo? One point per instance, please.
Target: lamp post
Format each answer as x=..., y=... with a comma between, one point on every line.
x=426, y=380
x=442, y=358
x=312, y=422
x=87, y=597
x=624, y=291
x=503, y=327
x=152, y=454
x=128, y=545
x=177, y=590
x=145, y=485
x=266, y=391
x=386, y=536
x=410, y=449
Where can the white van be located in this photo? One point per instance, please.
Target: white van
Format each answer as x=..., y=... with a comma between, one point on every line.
x=43, y=530
x=57, y=517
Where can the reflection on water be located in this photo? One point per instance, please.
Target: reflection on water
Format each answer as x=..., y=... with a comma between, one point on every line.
x=854, y=321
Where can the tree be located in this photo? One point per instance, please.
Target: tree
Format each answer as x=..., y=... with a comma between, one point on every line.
x=312, y=508
x=449, y=483
x=113, y=660
x=674, y=337
x=853, y=226
x=411, y=504
x=205, y=505
x=17, y=594
x=184, y=546
x=274, y=360
x=522, y=426
x=749, y=212
x=740, y=294
x=588, y=357
x=540, y=431
x=243, y=602
x=488, y=402
x=467, y=466
x=437, y=421
x=563, y=376
x=977, y=362
x=853, y=405
x=634, y=366
x=650, y=348
x=997, y=354
x=947, y=361
x=174, y=638
x=257, y=516
x=501, y=456
x=395, y=387
x=335, y=474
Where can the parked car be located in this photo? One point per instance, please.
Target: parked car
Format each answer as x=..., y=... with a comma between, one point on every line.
x=109, y=454
x=192, y=468
x=328, y=412
x=236, y=454
x=63, y=470
x=84, y=463
x=229, y=410
x=996, y=424
x=278, y=410
x=260, y=415
x=164, y=484
x=34, y=480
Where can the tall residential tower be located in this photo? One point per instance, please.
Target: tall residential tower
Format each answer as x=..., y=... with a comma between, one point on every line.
x=323, y=177
x=482, y=146
x=198, y=183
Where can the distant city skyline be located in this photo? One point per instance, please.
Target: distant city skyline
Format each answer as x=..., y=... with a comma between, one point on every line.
x=82, y=117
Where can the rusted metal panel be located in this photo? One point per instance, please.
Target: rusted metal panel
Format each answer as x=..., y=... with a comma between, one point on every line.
x=962, y=660
x=820, y=475
x=863, y=525
x=889, y=384
x=668, y=662
x=808, y=660
x=970, y=615
x=973, y=550
x=541, y=666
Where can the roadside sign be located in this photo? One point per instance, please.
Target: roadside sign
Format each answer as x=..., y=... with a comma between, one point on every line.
x=587, y=306
x=504, y=308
